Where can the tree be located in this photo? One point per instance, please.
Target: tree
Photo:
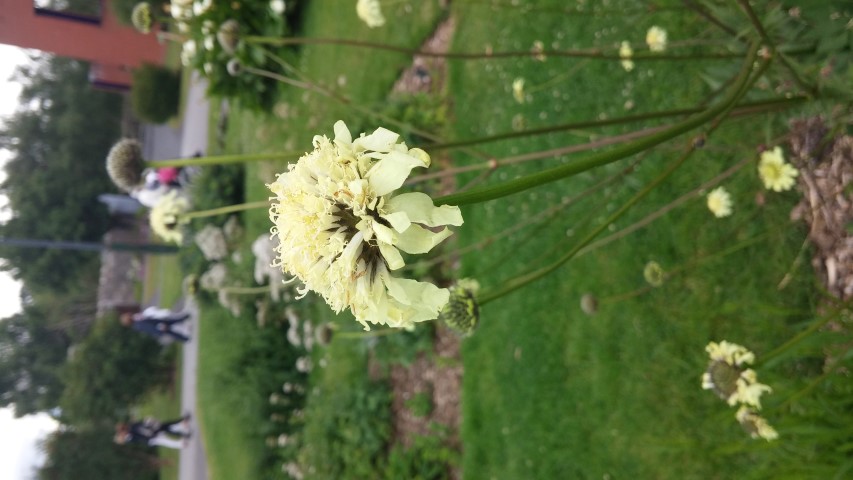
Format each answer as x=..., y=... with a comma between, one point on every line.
x=74, y=454
x=58, y=141
x=110, y=370
x=32, y=353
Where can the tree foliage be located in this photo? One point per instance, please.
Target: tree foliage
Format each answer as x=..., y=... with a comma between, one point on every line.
x=58, y=142
x=110, y=370
x=74, y=454
x=32, y=352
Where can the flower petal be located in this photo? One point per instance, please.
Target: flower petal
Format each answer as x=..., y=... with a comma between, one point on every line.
x=425, y=298
x=379, y=141
x=420, y=209
x=398, y=220
x=391, y=255
x=417, y=239
x=389, y=173
x=342, y=133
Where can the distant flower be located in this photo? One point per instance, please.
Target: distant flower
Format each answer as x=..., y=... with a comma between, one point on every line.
x=125, y=164
x=278, y=6
x=589, y=304
x=304, y=364
x=140, y=17
x=341, y=227
x=656, y=39
x=166, y=218
x=211, y=242
x=720, y=202
x=654, y=274
x=201, y=6
x=324, y=333
x=370, y=12
x=462, y=312
x=538, y=50
x=755, y=425
x=234, y=67
x=626, y=53
x=518, y=90
x=188, y=52
x=774, y=172
x=209, y=42
x=215, y=277
x=229, y=35
x=728, y=377
x=264, y=250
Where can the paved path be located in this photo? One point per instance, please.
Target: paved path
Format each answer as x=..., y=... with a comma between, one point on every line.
x=193, y=462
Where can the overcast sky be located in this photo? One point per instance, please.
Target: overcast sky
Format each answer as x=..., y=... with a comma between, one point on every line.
x=19, y=453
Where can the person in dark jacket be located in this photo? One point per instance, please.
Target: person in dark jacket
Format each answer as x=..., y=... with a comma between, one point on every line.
x=155, y=433
x=159, y=323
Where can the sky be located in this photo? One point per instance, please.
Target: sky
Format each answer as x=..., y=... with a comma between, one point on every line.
x=19, y=453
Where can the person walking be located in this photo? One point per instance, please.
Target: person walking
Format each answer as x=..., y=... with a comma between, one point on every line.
x=172, y=434
x=159, y=323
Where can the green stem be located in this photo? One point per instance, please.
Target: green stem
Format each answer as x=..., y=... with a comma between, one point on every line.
x=597, y=160
x=685, y=267
x=739, y=89
x=222, y=159
x=817, y=381
x=308, y=84
x=224, y=210
x=246, y=290
x=590, y=53
x=368, y=334
x=805, y=333
x=756, y=22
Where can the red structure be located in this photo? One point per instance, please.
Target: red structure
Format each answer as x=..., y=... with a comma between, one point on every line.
x=113, y=49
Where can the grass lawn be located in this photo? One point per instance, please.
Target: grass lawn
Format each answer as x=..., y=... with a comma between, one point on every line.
x=549, y=391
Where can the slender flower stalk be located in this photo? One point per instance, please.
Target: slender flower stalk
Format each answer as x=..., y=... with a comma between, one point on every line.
x=814, y=327
x=738, y=90
x=125, y=162
x=226, y=210
x=743, y=109
x=593, y=53
x=673, y=272
x=246, y=290
x=597, y=160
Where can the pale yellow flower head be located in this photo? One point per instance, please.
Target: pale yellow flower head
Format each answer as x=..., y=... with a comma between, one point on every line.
x=625, y=53
x=656, y=39
x=518, y=90
x=755, y=425
x=167, y=217
x=728, y=377
x=776, y=174
x=720, y=202
x=341, y=227
x=538, y=50
x=370, y=12
x=749, y=391
x=654, y=274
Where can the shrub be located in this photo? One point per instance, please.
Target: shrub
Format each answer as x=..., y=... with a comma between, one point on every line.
x=155, y=93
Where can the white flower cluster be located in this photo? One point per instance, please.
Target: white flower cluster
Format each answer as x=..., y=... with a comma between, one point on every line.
x=341, y=229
